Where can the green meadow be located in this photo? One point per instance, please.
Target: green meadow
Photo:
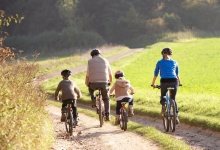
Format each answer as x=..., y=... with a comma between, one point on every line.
x=198, y=99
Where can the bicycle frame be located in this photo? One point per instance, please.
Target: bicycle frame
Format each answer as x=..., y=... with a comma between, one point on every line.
x=169, y=120
x=168, y=99
x=70, y=122
x=123, y=116
x=100, y=109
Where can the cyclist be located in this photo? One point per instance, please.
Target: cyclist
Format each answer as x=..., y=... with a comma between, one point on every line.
x=122, y=88
x=70, y=92
x=99, y=75
x=169, y=73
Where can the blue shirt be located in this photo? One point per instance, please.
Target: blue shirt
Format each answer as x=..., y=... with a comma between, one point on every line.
x=166, y=68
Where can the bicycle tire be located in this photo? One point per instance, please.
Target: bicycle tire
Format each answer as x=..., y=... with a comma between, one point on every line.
x=125, y=120
x=121, y=122
x=166, y=122
x=101, y=115
x=69, y=123
x=74, y=123
x=172, y=115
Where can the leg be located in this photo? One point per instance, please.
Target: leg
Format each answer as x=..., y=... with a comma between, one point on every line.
x=92, y=94
x=63, y=112
x=130, y=107
x=117, y=117
x=106, y=99
x=74, y=106
x=163, y=91
x=174, y=91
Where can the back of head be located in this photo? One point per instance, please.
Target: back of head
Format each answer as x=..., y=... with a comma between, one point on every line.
x=166, y=51
x=66, y=73
x=119, y=74
x=95, y=52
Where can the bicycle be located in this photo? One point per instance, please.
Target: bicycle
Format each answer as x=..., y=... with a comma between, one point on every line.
x=169, y=116
x=123, y=116
x=100, y=109
x=70, y=122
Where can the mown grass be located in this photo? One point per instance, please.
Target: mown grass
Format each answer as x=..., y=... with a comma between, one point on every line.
x=50, y=65
x=198, y=98
x=165, y=141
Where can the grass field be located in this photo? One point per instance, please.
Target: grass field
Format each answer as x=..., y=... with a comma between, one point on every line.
x=199, y=97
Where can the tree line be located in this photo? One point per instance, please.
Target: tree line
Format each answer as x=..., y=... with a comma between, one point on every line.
x=83, y=23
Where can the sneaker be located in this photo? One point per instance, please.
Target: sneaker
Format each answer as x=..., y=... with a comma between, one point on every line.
x=163, y=111
x=130, y=114
x=76, y=121
x=177, y=120
x=63, y=117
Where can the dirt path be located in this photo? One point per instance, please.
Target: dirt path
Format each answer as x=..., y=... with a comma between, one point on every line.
x=89, y=136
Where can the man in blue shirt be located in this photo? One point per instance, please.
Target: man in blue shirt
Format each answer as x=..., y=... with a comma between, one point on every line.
x=169, y=73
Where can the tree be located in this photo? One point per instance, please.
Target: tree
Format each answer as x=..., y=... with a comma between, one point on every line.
x=67, y=10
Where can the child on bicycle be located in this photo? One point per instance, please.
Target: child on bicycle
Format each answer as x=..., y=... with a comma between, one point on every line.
x=70, y=92
x=122, y=88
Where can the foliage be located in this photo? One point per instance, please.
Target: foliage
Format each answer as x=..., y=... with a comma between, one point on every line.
x=67, y=10
x=24, y=122
x=51, y=42
x=5, y=21
x=173, y=22
x=116, y=21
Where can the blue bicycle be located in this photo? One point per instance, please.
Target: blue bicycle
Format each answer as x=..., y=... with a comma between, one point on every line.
x=169, y=115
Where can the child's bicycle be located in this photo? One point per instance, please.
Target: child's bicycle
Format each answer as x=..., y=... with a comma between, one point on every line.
x=169, y=116
x=100, y=109
x=70, y=122
x=123, y=115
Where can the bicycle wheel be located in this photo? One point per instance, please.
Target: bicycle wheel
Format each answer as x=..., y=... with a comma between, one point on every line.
x=125, y=120
x=166, y=121
x=172, y=115
x=101, y=114
x=69, y=123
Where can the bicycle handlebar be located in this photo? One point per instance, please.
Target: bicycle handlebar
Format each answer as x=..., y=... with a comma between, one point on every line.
x=158, y=86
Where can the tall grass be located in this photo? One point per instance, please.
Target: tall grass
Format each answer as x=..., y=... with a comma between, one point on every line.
x=24, y=122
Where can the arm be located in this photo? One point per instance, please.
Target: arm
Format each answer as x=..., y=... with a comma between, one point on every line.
x=110, y=78
x=156, y=72
x=112, y=89
x=153, y=81
x=56, y=97
x=110, y=73
x=178, y=77
x=131, y=89
x=87, y=81
x=78, y=92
